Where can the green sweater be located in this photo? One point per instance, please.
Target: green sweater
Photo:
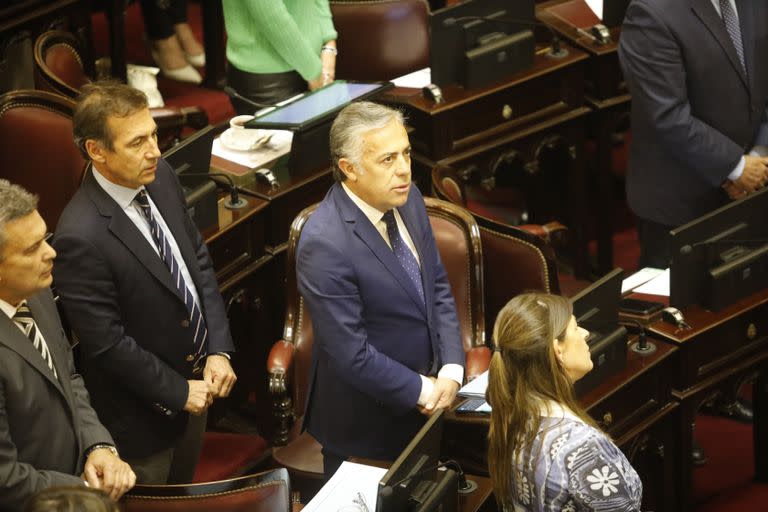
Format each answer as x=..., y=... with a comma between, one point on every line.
x=274, y=36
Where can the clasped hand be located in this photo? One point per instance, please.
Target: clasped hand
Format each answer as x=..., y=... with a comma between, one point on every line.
x=106, y=471
x=443, y=394
x=218, y=379
x=753, y=177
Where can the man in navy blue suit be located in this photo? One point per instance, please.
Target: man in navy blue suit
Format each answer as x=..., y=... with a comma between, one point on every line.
x=387, y=351
x=699, y=82
x=139, y=290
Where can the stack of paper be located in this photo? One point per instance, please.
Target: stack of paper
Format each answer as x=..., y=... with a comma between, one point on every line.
x=475, y=388
x=350, y=484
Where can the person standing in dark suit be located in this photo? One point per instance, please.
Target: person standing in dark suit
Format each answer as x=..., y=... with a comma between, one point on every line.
x=699, y=85
x=49, y=434
x=386, y=350
x=138, y=288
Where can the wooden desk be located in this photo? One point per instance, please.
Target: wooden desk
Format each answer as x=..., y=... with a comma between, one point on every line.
x=607, y=94
x=635, y=407
x=718, y=353
x=537, y=115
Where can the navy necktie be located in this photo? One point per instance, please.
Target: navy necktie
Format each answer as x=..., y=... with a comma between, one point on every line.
x=403, y=253
x=734, y=29
x=26, y=321
x=196, y=320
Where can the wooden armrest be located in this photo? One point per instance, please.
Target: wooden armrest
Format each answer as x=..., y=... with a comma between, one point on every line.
x=478, y=360
x=279, y=361
x=550, y=231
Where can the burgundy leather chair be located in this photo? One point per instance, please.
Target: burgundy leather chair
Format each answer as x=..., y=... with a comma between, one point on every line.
x=59, y=69
x=269, y=491
x=37, y=150
x=380, y=39
x=288, y=365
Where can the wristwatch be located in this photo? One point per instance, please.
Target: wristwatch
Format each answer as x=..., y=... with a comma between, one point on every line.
x=99, y=446
x=329, y=49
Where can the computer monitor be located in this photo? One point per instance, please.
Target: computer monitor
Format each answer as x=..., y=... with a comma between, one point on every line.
x=722, y=256
x=414, y=482
x=310, y=118
x=191, y=159
x=476, y=52
x=596, y=309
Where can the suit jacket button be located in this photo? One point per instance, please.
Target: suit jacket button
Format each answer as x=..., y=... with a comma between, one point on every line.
x=185, y=323
x=190, y=358
x=168, y=412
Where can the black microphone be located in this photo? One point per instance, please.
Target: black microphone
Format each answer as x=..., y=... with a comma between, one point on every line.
x=464, y=486
x=555, y=52
x=642, y=346
x=235, y=202
x=234, y=94
x=687, y=249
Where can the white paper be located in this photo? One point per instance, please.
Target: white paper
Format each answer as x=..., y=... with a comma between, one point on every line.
x=486, y=407
x=417, y=79
x=659, y=285
x=642, y=276
x=344, y=485
x=476, y=387
x=278, y=146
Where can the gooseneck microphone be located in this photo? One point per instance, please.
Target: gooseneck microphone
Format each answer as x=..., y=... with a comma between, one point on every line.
x=235, y=202
x=229, y=91
x=556, y=51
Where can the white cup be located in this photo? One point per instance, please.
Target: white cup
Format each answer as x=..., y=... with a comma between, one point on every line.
x=238, y=122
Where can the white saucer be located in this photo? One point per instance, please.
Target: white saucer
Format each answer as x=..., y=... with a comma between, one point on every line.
x=242, y=139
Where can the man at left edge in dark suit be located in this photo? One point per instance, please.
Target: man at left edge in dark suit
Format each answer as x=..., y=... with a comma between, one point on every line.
x=139, y=290
x=49, y=434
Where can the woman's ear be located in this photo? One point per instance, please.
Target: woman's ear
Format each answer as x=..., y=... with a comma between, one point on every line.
x=558, y=347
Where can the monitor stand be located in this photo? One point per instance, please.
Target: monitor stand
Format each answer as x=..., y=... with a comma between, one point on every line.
x=309, y=149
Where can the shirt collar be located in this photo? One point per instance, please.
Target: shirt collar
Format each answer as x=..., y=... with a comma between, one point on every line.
x=9, y=309
x=123, y=196
x=373, y=214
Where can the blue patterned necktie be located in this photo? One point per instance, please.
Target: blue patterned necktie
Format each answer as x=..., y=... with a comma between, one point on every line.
x=26, y=321
x=734, y=30
x=196, y=320
x=403, y=253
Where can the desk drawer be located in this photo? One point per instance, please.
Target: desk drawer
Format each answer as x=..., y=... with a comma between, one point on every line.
x=640, y=399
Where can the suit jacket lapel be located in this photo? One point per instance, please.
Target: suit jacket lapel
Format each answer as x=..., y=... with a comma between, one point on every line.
x=49, y=328
x=14, y=339
x=122, y=227
x=708, y=15
x=373, y=239
x=175, y=223
x=746, y=20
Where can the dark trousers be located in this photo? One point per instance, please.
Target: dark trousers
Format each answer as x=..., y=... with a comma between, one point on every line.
x=654, y=244
x=161, y=15
x=174, y=465
x=266, y=88
x=331, y=463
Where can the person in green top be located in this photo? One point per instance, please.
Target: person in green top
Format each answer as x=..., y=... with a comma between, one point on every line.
x=278, y=48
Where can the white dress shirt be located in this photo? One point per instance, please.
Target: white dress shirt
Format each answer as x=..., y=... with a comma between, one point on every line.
x=453, y=372
x=124, y=197
x=10, y=312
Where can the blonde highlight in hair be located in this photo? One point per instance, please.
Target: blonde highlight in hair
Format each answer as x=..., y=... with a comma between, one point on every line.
x=525, y=373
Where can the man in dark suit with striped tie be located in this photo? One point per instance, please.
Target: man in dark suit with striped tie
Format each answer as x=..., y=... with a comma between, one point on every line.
x=139, y=290
x=49, y=434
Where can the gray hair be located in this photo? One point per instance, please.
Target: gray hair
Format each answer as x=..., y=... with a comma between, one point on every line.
x=15, y=202
x=348, y=128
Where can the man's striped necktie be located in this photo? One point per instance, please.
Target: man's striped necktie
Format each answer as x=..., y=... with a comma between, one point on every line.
x=26, y=321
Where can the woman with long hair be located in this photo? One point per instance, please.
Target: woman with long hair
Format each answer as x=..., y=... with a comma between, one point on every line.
x=545, y=453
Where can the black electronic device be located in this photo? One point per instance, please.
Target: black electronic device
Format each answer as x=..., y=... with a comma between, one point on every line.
x=722, y=256
x=470, y=405
x=309, y=118
x=478, y=42
x=596, y=309
x=639, y=307
x=193, y=156
x=417, y=481
x=674, y=316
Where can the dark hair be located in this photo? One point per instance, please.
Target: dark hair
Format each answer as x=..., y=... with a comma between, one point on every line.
x=98, y=102
x=525, y=374
x=71, y=499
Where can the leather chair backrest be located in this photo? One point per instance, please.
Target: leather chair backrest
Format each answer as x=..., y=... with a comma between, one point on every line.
x=458, y=240
x=263, y=492
x=380, y=39
x=58, y=64
x=515, y=262
x=37, y=151
x=447, y=185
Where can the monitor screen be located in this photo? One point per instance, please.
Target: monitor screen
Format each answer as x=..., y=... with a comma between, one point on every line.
x=316, y=106
x=415, y=470
x=721, y=256
x=597, y=306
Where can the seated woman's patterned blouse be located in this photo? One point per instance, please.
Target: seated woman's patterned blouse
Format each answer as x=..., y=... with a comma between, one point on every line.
x=577, y=469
